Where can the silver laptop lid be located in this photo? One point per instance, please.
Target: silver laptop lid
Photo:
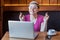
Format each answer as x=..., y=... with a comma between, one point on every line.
x=21, y=29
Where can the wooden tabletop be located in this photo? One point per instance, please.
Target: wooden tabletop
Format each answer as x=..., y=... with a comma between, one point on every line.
x=41, y=36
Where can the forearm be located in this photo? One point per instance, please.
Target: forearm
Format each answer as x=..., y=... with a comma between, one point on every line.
x=21, y=19
x=43, y=26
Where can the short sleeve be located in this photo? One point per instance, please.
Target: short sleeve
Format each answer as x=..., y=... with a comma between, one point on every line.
x=42, y=17
x=25, y=18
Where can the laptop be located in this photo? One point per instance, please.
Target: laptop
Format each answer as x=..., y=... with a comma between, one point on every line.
x=21, y=29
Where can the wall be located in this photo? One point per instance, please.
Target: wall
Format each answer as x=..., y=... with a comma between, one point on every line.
x=53, y=22
x=19, y=5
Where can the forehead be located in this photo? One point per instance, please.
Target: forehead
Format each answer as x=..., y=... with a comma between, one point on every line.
x=32, y=6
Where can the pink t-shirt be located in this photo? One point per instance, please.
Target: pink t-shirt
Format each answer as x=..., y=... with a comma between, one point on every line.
x=37, y=25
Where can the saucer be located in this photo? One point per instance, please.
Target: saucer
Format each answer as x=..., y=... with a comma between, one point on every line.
x=51, y=33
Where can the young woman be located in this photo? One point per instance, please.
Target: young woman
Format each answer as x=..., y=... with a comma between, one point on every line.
x=40, y=22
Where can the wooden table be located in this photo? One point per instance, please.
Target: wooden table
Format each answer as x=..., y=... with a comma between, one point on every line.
x=41, y=36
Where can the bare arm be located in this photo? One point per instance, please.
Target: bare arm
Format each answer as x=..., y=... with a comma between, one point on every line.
x=44, y=24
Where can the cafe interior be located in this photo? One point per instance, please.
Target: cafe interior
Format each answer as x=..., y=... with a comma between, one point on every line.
x=10, y=10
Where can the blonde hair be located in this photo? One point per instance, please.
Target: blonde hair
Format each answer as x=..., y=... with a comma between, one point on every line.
x=34, y=2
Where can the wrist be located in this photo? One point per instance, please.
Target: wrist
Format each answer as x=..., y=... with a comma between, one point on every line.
x=45, y=21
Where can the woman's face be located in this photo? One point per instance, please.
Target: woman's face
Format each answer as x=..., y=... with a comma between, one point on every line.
x=33, y=8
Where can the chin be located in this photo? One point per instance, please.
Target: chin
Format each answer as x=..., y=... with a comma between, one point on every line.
x=31, y=14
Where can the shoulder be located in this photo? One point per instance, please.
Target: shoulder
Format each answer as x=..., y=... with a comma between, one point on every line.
x=27, y=15
x=40, y=16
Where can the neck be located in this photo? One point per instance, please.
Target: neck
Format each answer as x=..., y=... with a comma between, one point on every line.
x=35, y=15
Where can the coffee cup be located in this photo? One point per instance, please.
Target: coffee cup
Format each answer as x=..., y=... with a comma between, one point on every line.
x=51, y=32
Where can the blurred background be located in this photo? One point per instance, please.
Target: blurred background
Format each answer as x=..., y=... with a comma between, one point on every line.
x=10, y=9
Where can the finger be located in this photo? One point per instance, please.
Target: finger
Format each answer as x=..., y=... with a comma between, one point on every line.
x=23, y=17
x=46, y=14
x=20, y=13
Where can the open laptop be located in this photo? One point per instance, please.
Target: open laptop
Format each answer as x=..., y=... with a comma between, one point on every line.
x=21, y=29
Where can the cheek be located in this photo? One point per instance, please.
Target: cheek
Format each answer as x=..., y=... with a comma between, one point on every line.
x=30, y=10
x=35, y=10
